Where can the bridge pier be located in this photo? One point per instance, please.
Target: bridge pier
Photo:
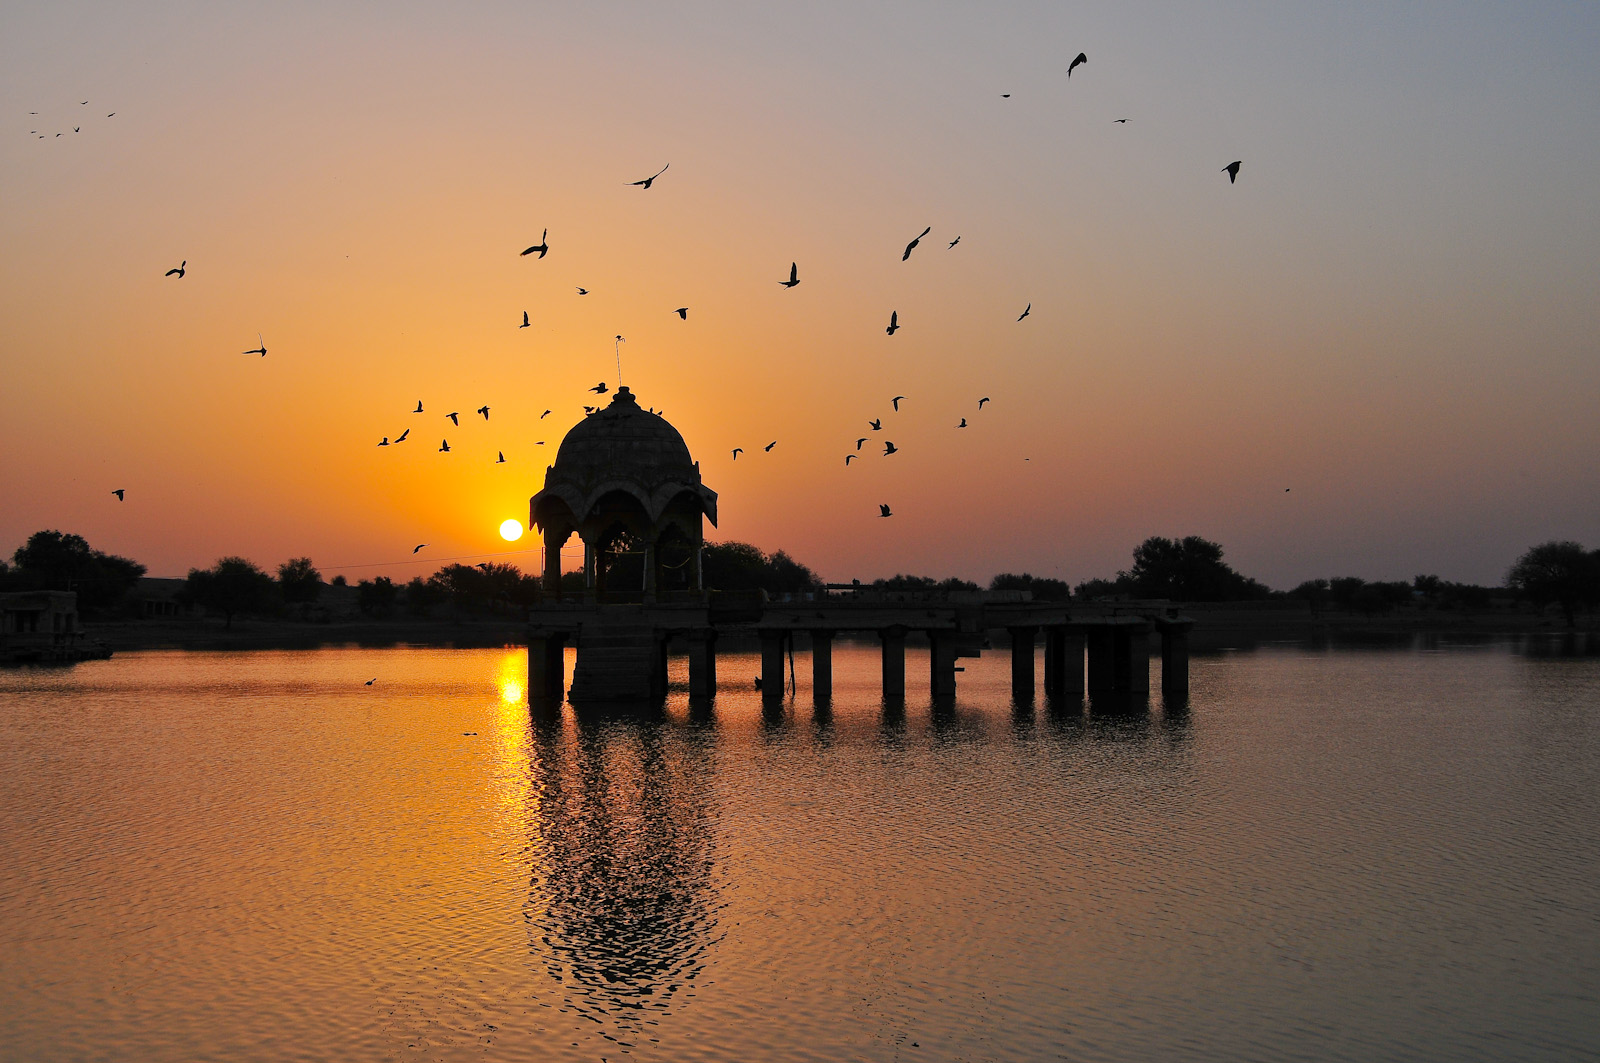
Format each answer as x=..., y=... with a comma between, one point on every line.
x=942, y=647
x=1099, y=642
x=1063, y=663
x=546, y=669
x=1175, y=659
x=1022, y=678
x=1130, y=659
x=821, y=667
x=703, y=664
x=894, y=662
x=772, y=681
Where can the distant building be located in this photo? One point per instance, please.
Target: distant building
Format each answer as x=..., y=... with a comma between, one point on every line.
x=40, y=626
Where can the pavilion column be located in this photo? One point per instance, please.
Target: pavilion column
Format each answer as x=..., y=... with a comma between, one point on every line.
x=894, y=662
x=821, y=667
x=591, y=571
x=650, y=572
x=552, y=561
x=1101, y=669
x=942, y=664
x=772, y=681
x=1022, y=681
x=1130, y=659
x=703, y=664
x=696, y=575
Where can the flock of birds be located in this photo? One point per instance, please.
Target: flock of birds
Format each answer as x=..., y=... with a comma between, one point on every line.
x=542, y=249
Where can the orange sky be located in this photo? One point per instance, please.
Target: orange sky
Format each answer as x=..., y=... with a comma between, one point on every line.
x=1392, y=313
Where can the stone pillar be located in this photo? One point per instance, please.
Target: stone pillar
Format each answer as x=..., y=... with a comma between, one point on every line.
x=1130, y=659
x=546, y=670
x=772, y=677
x=1175, y=660
x=894, y=662
x=1055, y=648
x=650, y=572
x=552, y=562
x=1022, y=663
x=821, y=667
x=1072, y=646
x=696, y=576
x=658, y=667
x=1101, y=668
x=591, y=572
x=703, y=664
x=942, y=664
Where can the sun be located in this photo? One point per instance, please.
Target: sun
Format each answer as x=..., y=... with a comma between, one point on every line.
x=511, y=530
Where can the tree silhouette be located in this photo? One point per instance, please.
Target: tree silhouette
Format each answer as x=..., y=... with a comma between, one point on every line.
x=1187, y=570
x=58, y=561
x=298, y=581
x=1560, y=572
x=232, y=585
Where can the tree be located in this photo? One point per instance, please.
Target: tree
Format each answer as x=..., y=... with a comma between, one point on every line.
x=232, y=585
x=377, y=597
x=299, y=581
x=53, y=560
x=734, y=566
x=1558, y=572
x=1043, y=588
x=1190, y=570
x=422, y=596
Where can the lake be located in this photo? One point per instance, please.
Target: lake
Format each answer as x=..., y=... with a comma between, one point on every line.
x=1329, y=854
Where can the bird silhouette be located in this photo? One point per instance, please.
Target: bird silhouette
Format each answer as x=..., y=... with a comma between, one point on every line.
x=896, y=401
x=374, y=679
x=963, y=423
x=648, y=181
x=444, y=446
x=455, y=419
x=419, y=546
x=401, y=438
x=543, y=415
x=894, y=322
x=419, y=407
x=119, y=492
x=1119, y=121
x=501, y=460
x=583, y=291
x=1232, y=170
x=877, y=424
x=385, y=442
x=543, y=246
x=180, y=271
x=524, y=320
x=769, y=446
x=1076, y=63
x=954, y=242
x=261, y=350
x=483, y=410
x=883, y=510
x=1005, y=95
x=889, y=448
x=682, y=312
x=982, y=401
x=1026, y=311
x=860, y=441
x=848, y=458
x=600, y=388
x=912, y=246
x=794, y=276
x=736, y=452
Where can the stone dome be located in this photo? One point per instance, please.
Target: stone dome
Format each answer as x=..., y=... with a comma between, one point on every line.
x=621, y=448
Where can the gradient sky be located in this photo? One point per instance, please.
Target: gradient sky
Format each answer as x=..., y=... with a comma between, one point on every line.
x=1393, y=313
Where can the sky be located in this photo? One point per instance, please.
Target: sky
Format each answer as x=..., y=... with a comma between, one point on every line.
x=1376, y=354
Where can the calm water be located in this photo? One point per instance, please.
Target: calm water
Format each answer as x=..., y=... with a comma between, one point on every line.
x=1331, y=855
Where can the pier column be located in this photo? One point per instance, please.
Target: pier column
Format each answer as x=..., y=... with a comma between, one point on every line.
x=1022, y=679
x=1102, y=670
x=772, y=680
x=1072, y=653
x=942, y=664
x=650, y=572
x=1130, y=659
x=1055, y=648
x=703, y=664
x=821, y=667
x=894, y=662
x=546, y=670
x=553, y=541
x=1175, y=659
x=658, y=666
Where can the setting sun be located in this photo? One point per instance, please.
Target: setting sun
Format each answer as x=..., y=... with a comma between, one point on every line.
x=511, y=530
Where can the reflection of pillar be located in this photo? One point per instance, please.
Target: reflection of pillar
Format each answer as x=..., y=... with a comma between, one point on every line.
x=771, y=664
x=1130, y=659
x=821, y=667
x=553, y=541
x=1101, y=669
x=703, y=664
x=546, y=669
x=942, y=663
x=894, y=662
x=1175, y=659
x=650, y=556
x=1022, y=663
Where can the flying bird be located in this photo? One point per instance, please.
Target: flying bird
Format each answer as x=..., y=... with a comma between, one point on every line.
x=736, y=452
x=860, y=441
x=912, y=246
x=883, y=510
x=179, y=272
x=600, y=388
x=455, y=419
x=501, y=460
x=419, y=407
x=374, y=679
x=982, y=401
x=1005, y=95
x=848, y=458
x=769, y=446
x=1028, y=310
x=794, y=276
x=483, y=410
x=542, y=246
x=524, y=320
x=896, y=401
x=877, y=424
x=1119, y=121
x=894, y=322
x=119, y=492
x=682, y=312
x=648, y=181
x=543, y=415
x=963, y=423
x=419, y=546
x=954, y=242
x=1232, y=170
x=385, y=442
x=401, y=438
x=583, y=291
x=261, y=350
x=444, y=446
x=889, y=448
x=1076, y=63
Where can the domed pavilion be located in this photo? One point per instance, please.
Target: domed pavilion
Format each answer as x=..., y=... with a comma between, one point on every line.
x=623, y=480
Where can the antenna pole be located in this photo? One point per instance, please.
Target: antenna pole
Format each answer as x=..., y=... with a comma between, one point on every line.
x=617, y=346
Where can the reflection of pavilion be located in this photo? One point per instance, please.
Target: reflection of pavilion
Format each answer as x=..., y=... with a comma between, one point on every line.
x=623, y=901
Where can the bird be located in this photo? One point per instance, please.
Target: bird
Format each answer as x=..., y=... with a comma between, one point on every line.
x=794, y=276
x=736, y=452
x=419, y=546
x=1232, y=170
x=401, y=438
x=542, y=246
x=455, y=419
x=954, y=242
x=1119, y=121
x=583, y=291
x=912, y=246
x=1026, y=311
x=419, y=407
x=883, y=510
x=261, y=350
x=769, y=446
x=483, y=410
x=600, y=388
x=113, y=114
x=119, y=492
x=468, y=734
x=385, y=442
x=371, y=681
x=1076, y=63
x=894, y=322
x=543, y=415
x=982, y=401
x=180, y=271
x=1285, y=490
x=896, y=401
x=501, y=460
x=848, y=458
x=648, y=181
x=889, y=448
x=963, y=423
x=860, y=441
x=1005, y=95
x=444, y=446
x=682, y=312
x=524, y=320
x=877, y=424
